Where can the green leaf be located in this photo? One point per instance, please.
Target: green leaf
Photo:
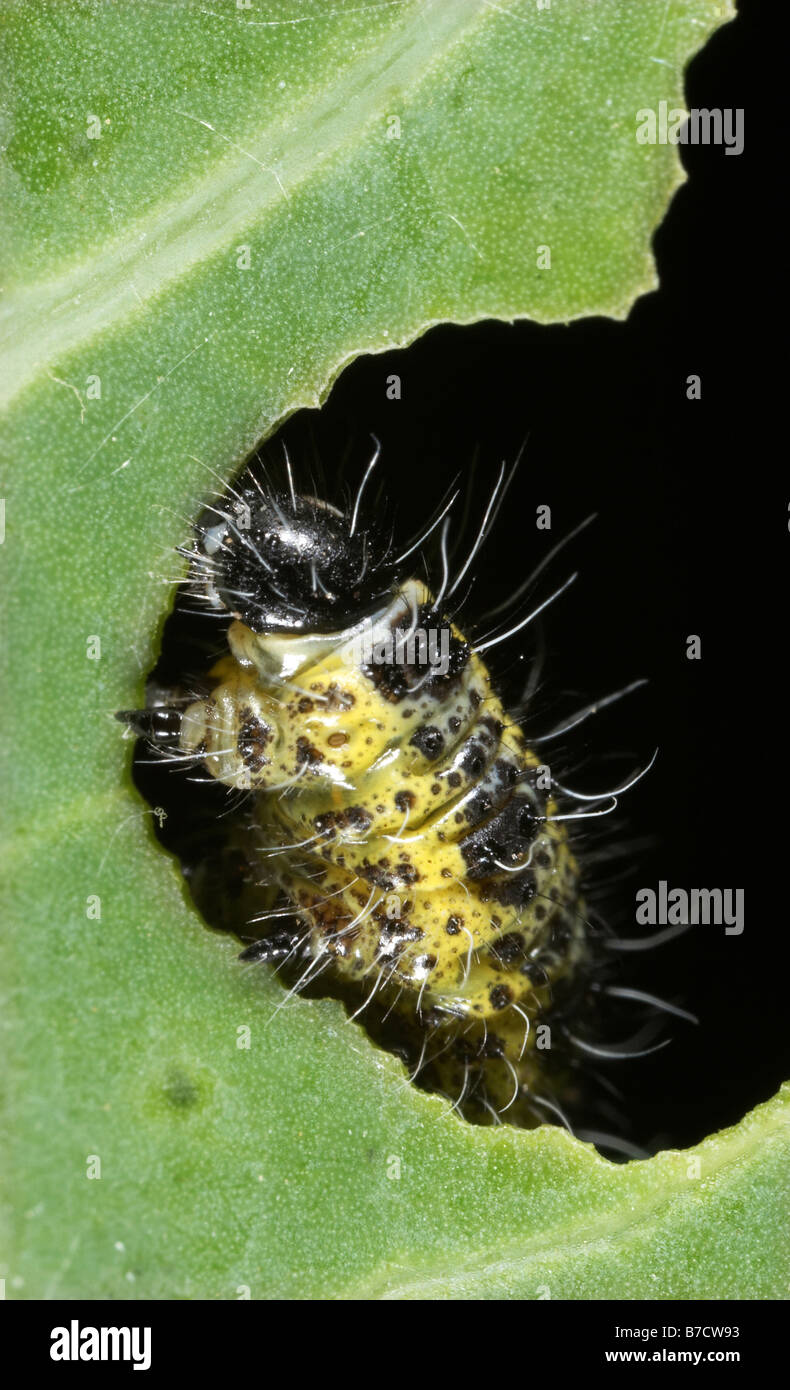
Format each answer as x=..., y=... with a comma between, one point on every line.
x=150, y=151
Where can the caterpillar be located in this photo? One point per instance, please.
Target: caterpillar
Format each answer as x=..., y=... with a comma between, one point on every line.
x=398, y=839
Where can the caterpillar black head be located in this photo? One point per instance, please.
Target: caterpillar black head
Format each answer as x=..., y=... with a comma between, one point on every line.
x=291, y=563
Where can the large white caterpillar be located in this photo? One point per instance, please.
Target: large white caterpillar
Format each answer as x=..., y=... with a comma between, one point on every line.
x=400, y=840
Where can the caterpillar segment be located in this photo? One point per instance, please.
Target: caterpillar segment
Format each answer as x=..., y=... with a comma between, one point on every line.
x=401, y=817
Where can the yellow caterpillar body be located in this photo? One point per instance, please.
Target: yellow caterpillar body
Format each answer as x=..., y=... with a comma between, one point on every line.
x=403, y=819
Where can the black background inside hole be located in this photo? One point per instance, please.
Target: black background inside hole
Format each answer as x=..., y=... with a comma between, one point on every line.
x=691, y=537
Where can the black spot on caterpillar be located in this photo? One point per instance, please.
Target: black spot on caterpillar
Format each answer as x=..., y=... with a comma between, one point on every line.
x=398, y=842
